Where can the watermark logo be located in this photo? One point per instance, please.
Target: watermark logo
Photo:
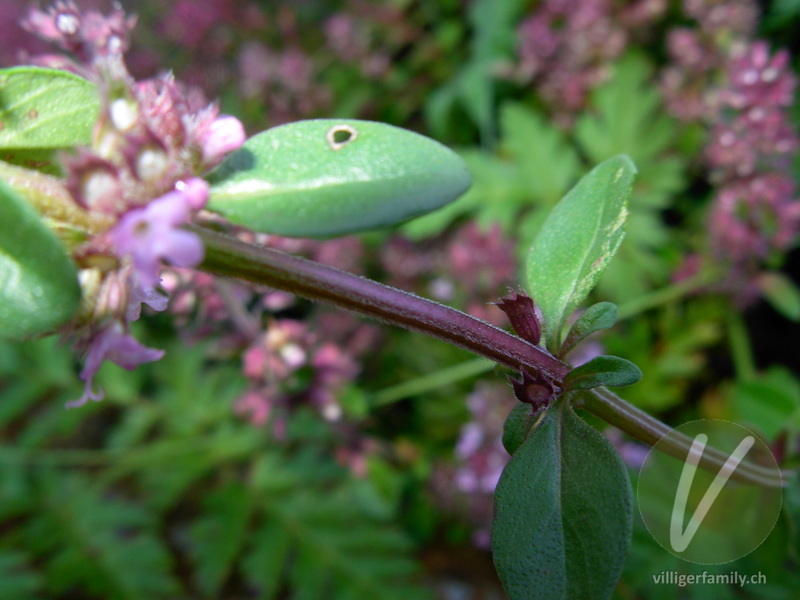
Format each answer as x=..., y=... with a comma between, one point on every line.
x=709, y=515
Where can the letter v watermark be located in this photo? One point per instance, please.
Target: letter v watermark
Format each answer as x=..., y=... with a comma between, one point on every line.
x=678, y=539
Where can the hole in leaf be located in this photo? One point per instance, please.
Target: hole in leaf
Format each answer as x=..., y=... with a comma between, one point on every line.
x=339, y=136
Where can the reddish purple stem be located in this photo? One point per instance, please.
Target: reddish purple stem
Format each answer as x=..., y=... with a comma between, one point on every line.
x=230, y=257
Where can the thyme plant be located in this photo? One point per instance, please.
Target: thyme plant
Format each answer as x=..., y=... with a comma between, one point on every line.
x=106, y=180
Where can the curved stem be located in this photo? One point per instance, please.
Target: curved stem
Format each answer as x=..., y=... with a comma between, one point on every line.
x=606, y=405
x=230, y=257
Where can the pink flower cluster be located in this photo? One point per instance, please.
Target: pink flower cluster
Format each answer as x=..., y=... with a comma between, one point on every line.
x=697, y=54
x=480, y=458
x=137, y=183
x=566, y=46
x=291, y=365
x=755, y=210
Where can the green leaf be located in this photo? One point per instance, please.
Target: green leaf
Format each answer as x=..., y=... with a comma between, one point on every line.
x=518, y=425
x=782, y=294
x=563, y=513
x=546, y=161
x=577, y=241
x=330, y=177
x=45, y=108
x=597, y=317
x=770, y=402
x=611, y=371
x=626, y=116
x=265, y=564
x=217, y=537
x=43, y=160
x=17, y=579
x=40, y=285
x=99, y=545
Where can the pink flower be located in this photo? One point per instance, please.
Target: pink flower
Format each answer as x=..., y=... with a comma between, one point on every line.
x=112, y=343
x=152, y=234
x=224, y=135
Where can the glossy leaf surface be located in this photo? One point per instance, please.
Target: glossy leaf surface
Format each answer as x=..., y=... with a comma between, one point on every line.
x=327, y=177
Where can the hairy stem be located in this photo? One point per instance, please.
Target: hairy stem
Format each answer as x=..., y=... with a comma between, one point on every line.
x=230, y=257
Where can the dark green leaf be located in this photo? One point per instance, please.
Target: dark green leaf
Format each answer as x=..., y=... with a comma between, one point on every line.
x=517, y=426
x=217, y=537
x=597, y=317
x=563, y=513
x=102, y=546
x=330, y=177
x=17, y=579
x=265, y=564
x=45, y=108
x=611, y=371
x=40, y=285
x=577, y=241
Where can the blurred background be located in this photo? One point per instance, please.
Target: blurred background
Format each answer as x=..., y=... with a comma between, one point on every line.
x=283, y=449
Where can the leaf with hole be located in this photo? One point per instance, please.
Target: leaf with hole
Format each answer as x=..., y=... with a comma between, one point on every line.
x=563, y=513
x=611, y=371
x=328, y=177
x=44, y=108
x=40, y=285
x=597, y=317
x=577, y=241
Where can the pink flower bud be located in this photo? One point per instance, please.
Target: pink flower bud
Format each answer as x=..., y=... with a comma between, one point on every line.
x=224, y=135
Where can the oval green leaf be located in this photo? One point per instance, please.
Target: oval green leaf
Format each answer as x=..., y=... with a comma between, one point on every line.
x=597, y=317
x=327, y=177
x=610, y=371
x=44, y=108
x=563, y=513
x=39, y=283
x=577, y=241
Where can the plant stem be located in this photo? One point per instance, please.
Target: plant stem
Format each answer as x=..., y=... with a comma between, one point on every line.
x=666, y=294
x=742, y=353
x=606, y=405
x=432, y=381
x=230, y=257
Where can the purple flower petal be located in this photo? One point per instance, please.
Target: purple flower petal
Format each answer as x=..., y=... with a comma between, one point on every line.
x=115, y=345
x=152, y=234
